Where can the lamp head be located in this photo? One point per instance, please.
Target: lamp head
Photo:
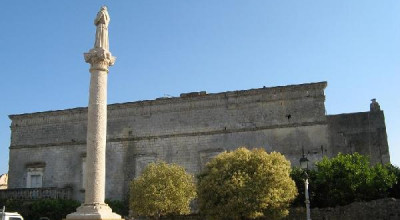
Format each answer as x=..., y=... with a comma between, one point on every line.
x=304, y=162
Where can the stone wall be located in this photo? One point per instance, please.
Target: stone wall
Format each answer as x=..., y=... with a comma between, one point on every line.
x=288, y=106
x=188, y=130
x=363, y=132
x=384, y=209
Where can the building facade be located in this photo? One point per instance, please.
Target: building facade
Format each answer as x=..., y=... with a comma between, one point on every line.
x=48, y=149
x=3, y=181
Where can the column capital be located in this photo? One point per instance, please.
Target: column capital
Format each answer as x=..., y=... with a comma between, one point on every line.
x=99, y=59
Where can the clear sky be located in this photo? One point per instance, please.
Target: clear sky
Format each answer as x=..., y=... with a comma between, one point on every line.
x=170, y=47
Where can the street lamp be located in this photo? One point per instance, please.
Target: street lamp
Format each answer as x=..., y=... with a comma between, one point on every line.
x=304, y=166
x=304, y=163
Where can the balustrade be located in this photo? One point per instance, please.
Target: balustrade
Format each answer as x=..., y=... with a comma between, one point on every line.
x=36, y=193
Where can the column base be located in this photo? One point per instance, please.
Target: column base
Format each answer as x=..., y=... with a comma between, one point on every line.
x=93, y=212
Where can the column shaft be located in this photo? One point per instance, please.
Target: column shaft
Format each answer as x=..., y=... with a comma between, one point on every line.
x=96, y=138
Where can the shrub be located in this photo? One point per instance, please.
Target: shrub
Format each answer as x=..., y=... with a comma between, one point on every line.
x=246, y=184
x=298, y=175
x=350, y=177
x=55, y=209
x=118, y=206
x=162, y=189
x=394, y=191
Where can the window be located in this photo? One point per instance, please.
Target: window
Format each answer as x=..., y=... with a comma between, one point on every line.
x=34, y=178
x=36, y=181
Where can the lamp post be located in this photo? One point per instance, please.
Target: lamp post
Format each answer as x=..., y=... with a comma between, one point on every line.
x=304, y=166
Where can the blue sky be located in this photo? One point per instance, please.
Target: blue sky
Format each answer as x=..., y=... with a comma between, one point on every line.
x=171, y=47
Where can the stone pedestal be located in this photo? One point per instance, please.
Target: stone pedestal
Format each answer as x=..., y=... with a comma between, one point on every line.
x=94, y=212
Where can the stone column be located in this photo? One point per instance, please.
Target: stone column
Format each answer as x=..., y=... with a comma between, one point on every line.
x=97, y=129
x=99, y=59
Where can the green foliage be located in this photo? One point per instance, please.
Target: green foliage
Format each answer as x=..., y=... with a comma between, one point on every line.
x=246, y=184
x=54, y=209
x=395, y=190
x=162, y=189
x=118, y=206
x=299, y=175
x=347, y=178
x=11, y=205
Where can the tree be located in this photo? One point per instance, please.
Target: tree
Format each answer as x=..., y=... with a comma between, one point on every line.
x=246, y=184
x=350, y=177
x=395, y=190
x=162, y=189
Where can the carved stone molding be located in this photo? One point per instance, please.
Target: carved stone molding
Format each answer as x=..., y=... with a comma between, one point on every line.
x=99, y=58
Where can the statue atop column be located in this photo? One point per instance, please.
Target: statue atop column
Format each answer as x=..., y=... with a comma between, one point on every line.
x=100, y=56
x=101, y=21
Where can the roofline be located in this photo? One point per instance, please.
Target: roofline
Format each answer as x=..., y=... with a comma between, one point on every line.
x=353, y=113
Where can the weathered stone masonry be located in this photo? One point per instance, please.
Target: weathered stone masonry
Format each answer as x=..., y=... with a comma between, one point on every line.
x=189, y=130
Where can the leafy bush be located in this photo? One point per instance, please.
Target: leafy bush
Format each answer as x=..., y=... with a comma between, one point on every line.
x=347, y=178
x=119, y=207
x=246, y=184
x=162, y=189
x=55, y=209
x=298, y=175
x=395, y=190
x=11, y=205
